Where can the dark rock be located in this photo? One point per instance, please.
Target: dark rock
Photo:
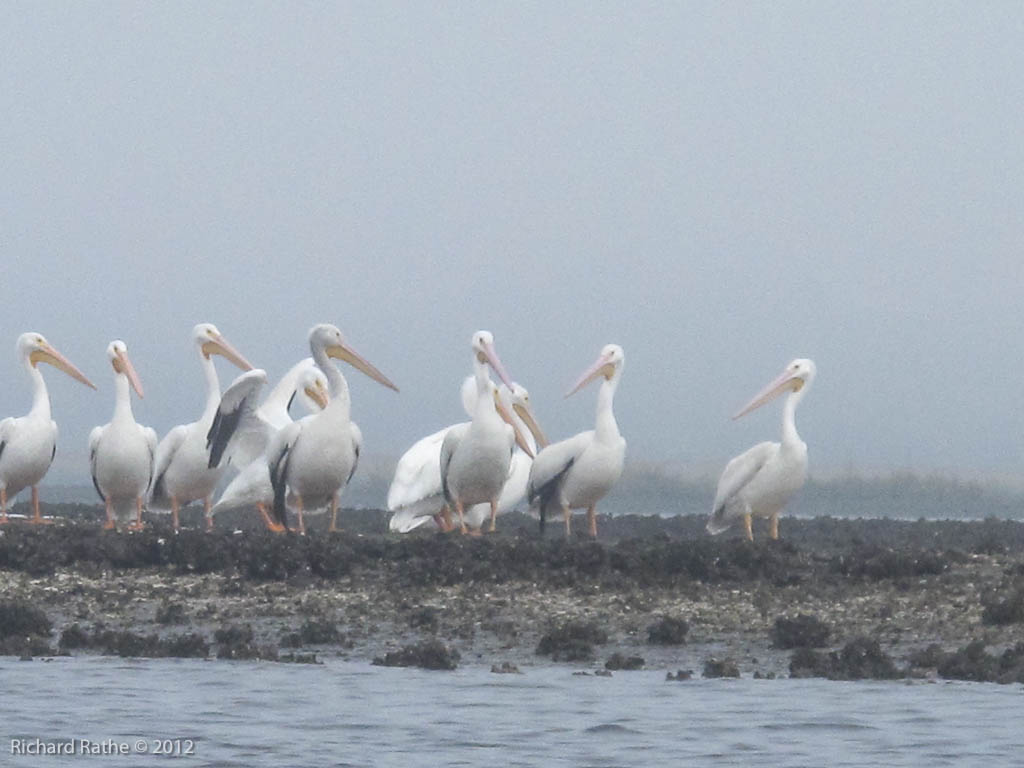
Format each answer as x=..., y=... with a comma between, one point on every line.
x=668, y=630
x=1004, y=610
x=424, y=618
x=18, y=617
x=572, y=641
x=805, y=631
x=171, y=613
x=73, y=637
x=234, y=642
x=860, y=659
x=619, y=661
x=505, y=668
x=313, y=632
x=602, y=673
x=721, y=668
x=682, y=674
x=430, y=654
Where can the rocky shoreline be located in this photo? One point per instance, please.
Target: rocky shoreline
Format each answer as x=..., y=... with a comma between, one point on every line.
x=833, y=598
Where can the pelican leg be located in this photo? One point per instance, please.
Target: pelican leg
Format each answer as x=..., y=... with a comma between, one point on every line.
x=494, y=514
x=592, y=520
x=109, y=525
x=37, y=517
x=271, y=525
x=773, y=531
x=333, y=528
x=462, y=517
x=446, y=518
x=138, y=525
x=208, y=514
x=747, y=522
x=567, y=514
x=3, y=506
x=174, y=514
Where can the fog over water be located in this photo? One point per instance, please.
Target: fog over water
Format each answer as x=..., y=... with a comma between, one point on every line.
x=717, y=187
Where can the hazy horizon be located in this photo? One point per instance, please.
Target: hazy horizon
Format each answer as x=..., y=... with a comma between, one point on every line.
x=717, y=187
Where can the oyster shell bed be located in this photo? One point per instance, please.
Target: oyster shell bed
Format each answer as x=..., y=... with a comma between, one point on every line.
x=361, y=594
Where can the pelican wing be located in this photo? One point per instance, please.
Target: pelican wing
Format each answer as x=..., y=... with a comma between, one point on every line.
x=6, y=427
x=357, y=444
x=274, y=410
x=237, y=429
x=94, y=441
x=448, y=447
x=418, y=473
x=549, y=469
x=165, y=451
x=151, y=442
x=736, y=475
x=278, y=453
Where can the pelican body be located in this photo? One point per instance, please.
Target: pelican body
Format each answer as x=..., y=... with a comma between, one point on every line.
x=577, y=472
x=312, y=459
x=28, y=443
x=121, y=452
x=762, y=480
x=475, y=457
x=181, y=471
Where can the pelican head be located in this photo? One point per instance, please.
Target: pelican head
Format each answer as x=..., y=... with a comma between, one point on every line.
x=483, y=351
x=211, y=342
x=33, y=348
x=608, y=364
x=328, y=339
x=795, y=377
x=117, y=354
x=520, y=400
x=314, y=386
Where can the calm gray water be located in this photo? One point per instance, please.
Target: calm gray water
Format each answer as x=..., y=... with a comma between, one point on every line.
x=345, y=713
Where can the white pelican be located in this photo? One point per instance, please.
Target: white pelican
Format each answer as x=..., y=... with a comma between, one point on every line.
x=475, y=457
x=415, y=496
x=251, y=486
x=312, y=459
x=121, y=452
x=576, y=473
x=180, y=469
x=28, y=443
x=760, y=481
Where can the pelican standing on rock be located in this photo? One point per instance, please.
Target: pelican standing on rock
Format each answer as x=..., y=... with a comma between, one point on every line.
x=312, y=459
x=415, y=497
x=475, y=457
x=576, y=473
x=121, y=452
x=763, y=479
x=28, y=443
x=251, y=486
x=180, y=470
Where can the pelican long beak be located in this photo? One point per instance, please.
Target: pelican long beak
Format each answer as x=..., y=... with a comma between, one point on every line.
x=122, y=364
x=503, y=411
x=601, y=367
x=526, y=415
x=318, y=395
x=490, y=356
x=50, y=355
x=345, y=352
x=218, y=345
x=786, y=382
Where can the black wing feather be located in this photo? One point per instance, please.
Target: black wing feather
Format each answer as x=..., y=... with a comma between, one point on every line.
x=224, y=425
x=549, y=491
x=279, y=482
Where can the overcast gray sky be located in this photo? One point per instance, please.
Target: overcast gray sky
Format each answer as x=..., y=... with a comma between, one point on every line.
x=717, y=186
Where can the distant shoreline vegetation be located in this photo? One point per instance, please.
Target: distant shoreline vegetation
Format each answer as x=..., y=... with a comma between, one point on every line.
x=659, y=490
